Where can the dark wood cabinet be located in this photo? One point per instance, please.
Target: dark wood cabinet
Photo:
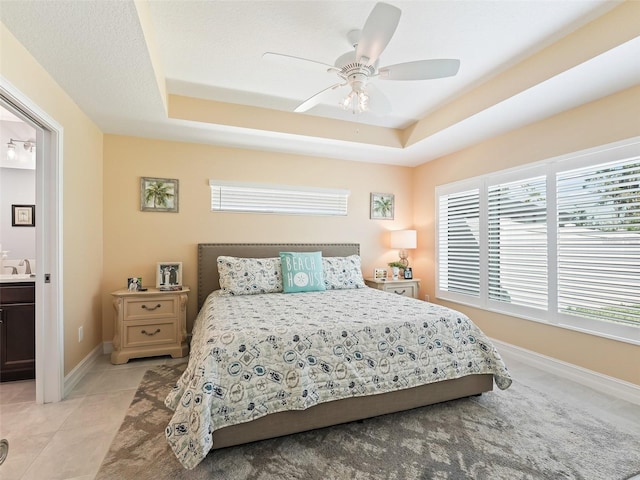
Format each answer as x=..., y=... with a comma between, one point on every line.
x=17, y=332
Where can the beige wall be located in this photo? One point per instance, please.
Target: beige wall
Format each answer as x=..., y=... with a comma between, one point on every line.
x=134, y=241
x=82, y=197
x=608, y=120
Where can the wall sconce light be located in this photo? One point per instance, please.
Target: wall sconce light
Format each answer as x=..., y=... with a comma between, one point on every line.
x=29, y=145
x=11, y=150
x=404, y=240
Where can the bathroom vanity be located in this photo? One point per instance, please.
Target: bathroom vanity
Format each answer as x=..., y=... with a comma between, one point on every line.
x=17, y=328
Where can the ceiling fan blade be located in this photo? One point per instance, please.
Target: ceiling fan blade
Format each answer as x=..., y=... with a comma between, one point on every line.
x=314, y=100
x=291, y=60
x=420, y=70
x=377, y=31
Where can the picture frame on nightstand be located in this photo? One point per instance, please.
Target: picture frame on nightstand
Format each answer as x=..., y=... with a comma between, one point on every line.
x=380, y=273
x=408, y=273
x=134, y=284
x=169, y=276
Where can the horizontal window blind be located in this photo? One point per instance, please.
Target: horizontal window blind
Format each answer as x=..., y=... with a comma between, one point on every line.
x=271, y=198
x=458, y=247
x=517, y=243
x=599, y=241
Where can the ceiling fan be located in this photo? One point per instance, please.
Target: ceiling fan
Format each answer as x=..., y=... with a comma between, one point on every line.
x=357, y=67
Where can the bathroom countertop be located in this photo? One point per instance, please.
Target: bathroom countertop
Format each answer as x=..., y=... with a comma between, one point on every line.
x=19, y=278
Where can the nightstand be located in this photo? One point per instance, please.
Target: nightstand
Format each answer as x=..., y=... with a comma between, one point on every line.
x=406, y=288
x=150, y=323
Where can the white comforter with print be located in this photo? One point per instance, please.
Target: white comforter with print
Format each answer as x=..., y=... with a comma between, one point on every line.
x=253, y=355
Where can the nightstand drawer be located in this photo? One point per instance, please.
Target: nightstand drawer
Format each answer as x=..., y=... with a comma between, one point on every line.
x=142, y=335
x=404, y=290
x=152, y=307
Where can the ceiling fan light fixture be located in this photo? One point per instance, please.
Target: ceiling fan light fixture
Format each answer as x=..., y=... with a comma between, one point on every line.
x=363, y=101
x=357, y=102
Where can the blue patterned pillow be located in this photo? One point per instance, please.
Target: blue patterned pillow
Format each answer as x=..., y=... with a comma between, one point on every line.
x=342, y=272
x=248, y=276
x=302, y=272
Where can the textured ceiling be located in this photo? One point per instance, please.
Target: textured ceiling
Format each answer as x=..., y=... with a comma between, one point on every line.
x=123, y=62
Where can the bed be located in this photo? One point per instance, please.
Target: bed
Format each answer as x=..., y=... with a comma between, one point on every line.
x=270, y=364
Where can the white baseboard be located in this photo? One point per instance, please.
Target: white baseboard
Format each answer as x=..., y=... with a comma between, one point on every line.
x=80, y=370
x=598, y=381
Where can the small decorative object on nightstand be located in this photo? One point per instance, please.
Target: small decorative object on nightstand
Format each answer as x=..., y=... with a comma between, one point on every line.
x=395, y=269
x=149, y=323
x=406, y=288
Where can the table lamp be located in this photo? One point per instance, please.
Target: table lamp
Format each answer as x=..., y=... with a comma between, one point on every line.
x=404, y=240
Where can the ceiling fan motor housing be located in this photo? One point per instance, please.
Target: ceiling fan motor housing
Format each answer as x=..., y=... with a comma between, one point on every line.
x=354, y=72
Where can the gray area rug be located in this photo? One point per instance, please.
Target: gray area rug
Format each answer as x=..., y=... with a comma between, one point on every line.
x=514, y=434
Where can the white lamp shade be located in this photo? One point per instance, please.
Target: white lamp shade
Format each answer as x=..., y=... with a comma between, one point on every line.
x=404, y=239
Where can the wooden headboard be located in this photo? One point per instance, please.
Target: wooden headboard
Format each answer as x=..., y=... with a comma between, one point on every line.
x=208, y=253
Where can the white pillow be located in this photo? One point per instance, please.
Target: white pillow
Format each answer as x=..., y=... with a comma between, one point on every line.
x=342, y=272
x=249, y=276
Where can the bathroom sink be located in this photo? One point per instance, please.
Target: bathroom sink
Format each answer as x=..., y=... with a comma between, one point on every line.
x=21, y=277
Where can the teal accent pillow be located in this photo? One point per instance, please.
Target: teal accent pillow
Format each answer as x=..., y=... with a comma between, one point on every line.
x=302, y=272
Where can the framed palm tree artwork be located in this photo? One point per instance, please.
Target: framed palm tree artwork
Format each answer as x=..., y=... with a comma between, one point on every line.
x=382, y=205
x=158, y=194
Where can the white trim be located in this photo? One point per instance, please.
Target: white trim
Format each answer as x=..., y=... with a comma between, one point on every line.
x=49, y=245
x=80, y=370
x=615, y=387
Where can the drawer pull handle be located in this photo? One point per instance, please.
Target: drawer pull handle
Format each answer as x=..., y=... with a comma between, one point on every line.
x=150, y=309
x=150, y=334
x=400, y=293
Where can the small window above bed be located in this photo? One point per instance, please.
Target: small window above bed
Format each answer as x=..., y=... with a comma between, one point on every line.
x=271, y=198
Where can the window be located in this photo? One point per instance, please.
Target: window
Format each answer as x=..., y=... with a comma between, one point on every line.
x=599, y=241
x=267, y=198
x=459, y=265
x=517, y=242
x=558, y=241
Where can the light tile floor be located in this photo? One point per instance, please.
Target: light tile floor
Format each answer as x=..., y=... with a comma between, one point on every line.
x=68, y=440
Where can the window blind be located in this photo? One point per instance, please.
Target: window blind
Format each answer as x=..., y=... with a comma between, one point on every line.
x=517, y=242
x=271, y=198
x=458, y=243
x=599, y=241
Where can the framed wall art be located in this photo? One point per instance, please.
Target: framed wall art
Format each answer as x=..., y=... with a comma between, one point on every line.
x=23, y=215
x=382, y=206
x=158, y=194
x=169, y=275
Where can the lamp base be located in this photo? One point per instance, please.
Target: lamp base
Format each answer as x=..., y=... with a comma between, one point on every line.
x=404, y=257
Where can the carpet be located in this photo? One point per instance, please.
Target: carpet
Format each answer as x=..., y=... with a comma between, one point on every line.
x=515, y=434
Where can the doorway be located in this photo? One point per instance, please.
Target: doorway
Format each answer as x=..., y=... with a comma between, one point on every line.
x=48, y=243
